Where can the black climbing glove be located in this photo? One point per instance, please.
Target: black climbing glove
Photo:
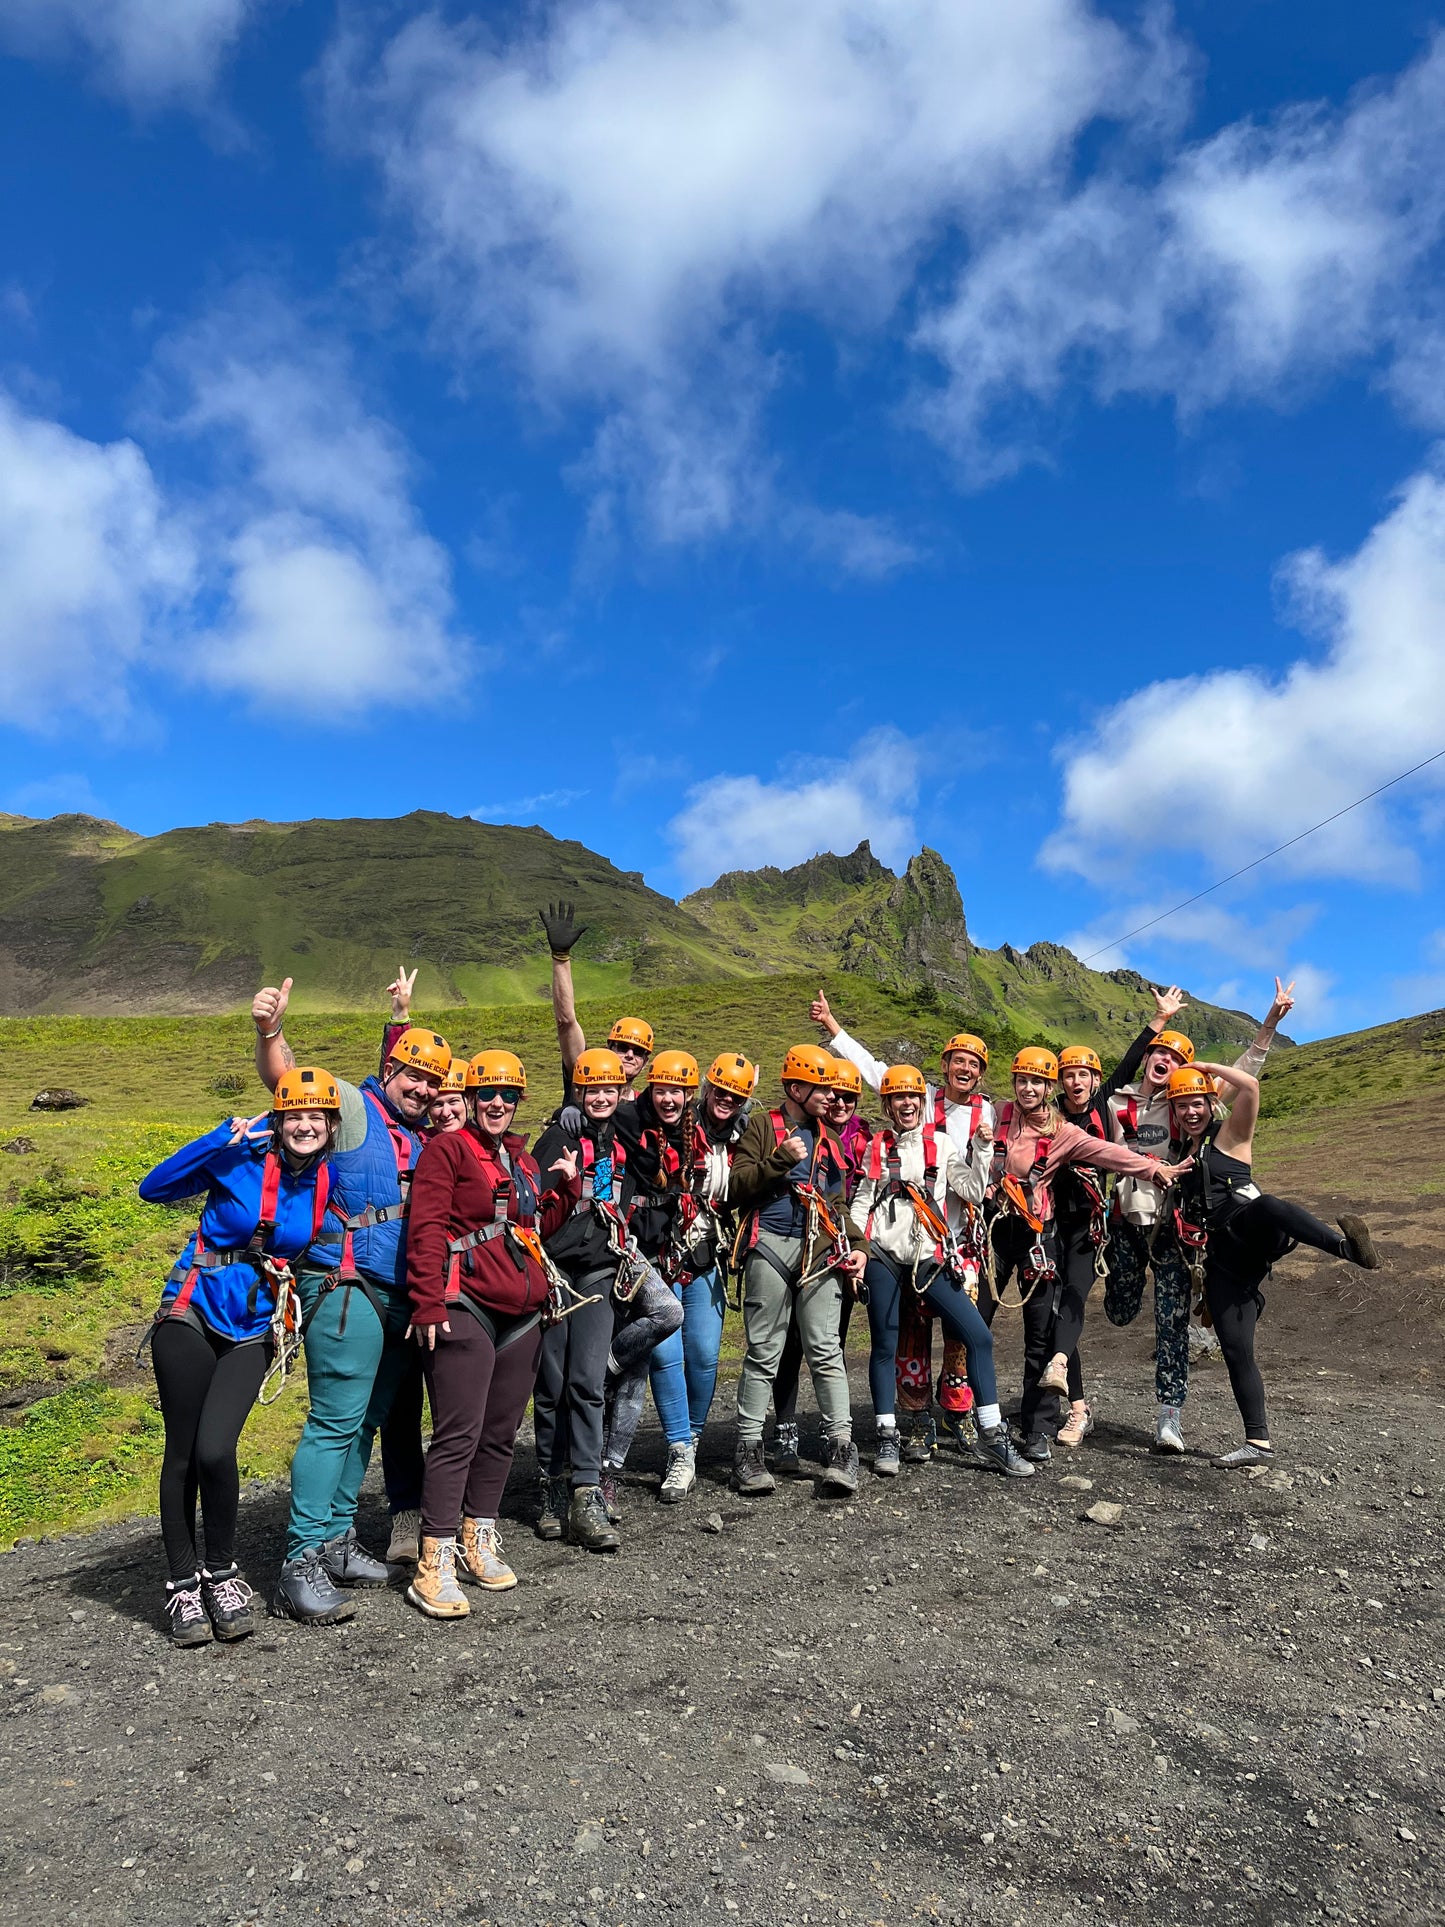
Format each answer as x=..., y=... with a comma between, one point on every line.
x=559, y=921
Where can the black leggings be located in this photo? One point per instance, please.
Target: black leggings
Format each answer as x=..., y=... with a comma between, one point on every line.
x=1076, y=1258
x=1241, y=1251
x=207, y=1387
x=1012, y=1241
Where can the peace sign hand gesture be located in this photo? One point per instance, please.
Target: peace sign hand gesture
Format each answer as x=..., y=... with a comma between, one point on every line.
x=399, y=991
x=1283, y=1002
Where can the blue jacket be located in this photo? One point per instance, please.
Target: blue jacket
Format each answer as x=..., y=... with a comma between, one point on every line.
x=229, y=1300
x=367, y=1176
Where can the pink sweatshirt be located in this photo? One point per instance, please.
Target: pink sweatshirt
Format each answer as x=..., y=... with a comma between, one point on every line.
x=1069, y=1145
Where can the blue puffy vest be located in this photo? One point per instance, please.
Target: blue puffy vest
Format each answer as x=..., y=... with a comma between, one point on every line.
x=367, y=1177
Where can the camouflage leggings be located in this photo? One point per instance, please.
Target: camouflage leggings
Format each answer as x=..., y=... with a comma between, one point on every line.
x=1129, y=1261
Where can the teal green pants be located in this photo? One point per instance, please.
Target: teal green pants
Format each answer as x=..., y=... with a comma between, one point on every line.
x=354, y=1363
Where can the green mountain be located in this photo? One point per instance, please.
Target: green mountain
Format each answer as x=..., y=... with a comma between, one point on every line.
x=97, y=920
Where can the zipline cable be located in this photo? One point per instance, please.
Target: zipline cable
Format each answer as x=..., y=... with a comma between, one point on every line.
x=1114, y=943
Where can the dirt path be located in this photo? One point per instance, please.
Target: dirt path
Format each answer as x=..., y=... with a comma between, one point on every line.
x=955, y=1699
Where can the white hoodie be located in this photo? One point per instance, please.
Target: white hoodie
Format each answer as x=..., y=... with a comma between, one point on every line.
x=959, y=1121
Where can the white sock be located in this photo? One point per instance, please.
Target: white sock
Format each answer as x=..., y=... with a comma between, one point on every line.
x=989, y=1417
x=887, y=1421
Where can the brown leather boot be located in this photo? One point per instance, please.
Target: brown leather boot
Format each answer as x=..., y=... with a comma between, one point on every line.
x=479, y=1556
x=435, y=1591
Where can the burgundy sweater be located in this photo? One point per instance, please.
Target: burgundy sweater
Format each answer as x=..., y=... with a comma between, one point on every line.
x=453, y=1191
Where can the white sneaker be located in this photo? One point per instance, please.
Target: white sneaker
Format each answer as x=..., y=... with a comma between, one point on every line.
x=1168, y=1431
x=404, y=1546
x=681, y=1474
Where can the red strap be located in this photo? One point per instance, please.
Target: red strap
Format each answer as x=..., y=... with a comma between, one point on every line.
x=402, y=1147
x=940, y=1109
x=780, y=1126
x=498, y=1172
x=1130, y=1108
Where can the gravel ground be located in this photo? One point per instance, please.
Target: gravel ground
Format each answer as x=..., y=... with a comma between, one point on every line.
x=955, y=1699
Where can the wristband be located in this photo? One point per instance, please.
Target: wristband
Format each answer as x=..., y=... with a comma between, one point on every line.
x=561, y=956
x=266, y=1036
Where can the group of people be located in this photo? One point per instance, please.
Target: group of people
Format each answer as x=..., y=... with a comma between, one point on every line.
x=403, y=1236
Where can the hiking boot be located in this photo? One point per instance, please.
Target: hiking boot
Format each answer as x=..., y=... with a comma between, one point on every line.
x=962, y=1428
x=556, y=1497
x=404, y=1546
x=1246, y=1454
x=187, y=1623
x=1077, y=1426
x=785, y=1448
x=305, y=1591
x=588, y=1523
x=1055, y=1375
x=998, y=1452
x=350, y=1564
x=479, y=1556
x=434, y=1590
x=751, y=1476
x=840, y=1467
x=1359, y=1245
x=1036, y=1448
x=919, y=1436
x=885, y=1453
x=610, y=1486
x=1169, y=1430
x=227, y=1600
x=681, y=1474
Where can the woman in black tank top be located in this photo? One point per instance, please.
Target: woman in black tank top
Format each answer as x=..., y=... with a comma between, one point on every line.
x=1243, y=1233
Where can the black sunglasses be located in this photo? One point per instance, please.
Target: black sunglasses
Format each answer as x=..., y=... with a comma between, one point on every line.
x=489, y=1093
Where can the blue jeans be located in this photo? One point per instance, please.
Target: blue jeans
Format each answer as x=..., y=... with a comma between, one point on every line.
x=684, y=1367
x=958, y=1315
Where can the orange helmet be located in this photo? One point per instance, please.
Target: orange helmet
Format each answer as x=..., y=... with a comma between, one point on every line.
x=501, y=1069
x=1187, y=1082
x=306, y=1090
x=1074, y=1055
x=846, y=1077
x=1032, y=1062
x=456, y=1077
x=965, y=1040
x=807, y=1064
x=421, y=1050
x=631, y=1030
x=596, y=1067
x=731, y=1072
x=1176, y=1041
x=673, y=1067
x=903, y=1080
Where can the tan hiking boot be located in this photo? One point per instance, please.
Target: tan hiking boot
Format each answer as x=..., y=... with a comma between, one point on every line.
x=479, y=1556
x=404, y=1546
x=435, y=1591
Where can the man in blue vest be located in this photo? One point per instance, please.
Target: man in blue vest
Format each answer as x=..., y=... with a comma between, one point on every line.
x=355, y=1308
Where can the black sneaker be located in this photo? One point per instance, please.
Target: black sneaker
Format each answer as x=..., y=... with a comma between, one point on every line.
x=1245, y=1455
x=785, y=1448
x=227, y=1599
x=186, y=1618
x=1359, y=1245
x=959, y=1427
x=349, y=1563
x=840, y=1468
x=588, y=1525
x=885, y=1453
x=919, y=1436
x=998, y=1452
x=1036, y=1448
x=305, y=1592
x=751, y=1476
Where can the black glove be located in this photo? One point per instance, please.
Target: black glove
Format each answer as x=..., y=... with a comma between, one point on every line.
x=570, y=1118
x=558, y=920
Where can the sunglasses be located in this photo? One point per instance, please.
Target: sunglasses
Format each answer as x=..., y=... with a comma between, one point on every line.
x=845, y=1097
x=489, y=1093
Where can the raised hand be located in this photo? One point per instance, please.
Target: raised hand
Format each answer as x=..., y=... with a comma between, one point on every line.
x=1283, y=1002
x=254, y=1127
x=559, y=920
x=399, y=990
x=566, y=1163
x=820, y=1013
x=268, y=1008
x=1168, y=1003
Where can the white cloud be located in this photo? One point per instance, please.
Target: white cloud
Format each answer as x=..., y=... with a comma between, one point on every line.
x=334, y=590
x=614, y=190
x=1259, y=257
x=148, y=51
x=741, y=822
x=516, y=806
x=93, y=563
x=303, y=569
x=1227, y=765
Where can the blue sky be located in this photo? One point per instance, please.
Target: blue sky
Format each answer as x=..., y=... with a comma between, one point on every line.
x=719, y=431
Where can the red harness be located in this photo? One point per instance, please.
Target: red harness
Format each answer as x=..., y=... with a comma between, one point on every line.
x=940, y=1111
x=252, y=1253
x=884, y=1150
